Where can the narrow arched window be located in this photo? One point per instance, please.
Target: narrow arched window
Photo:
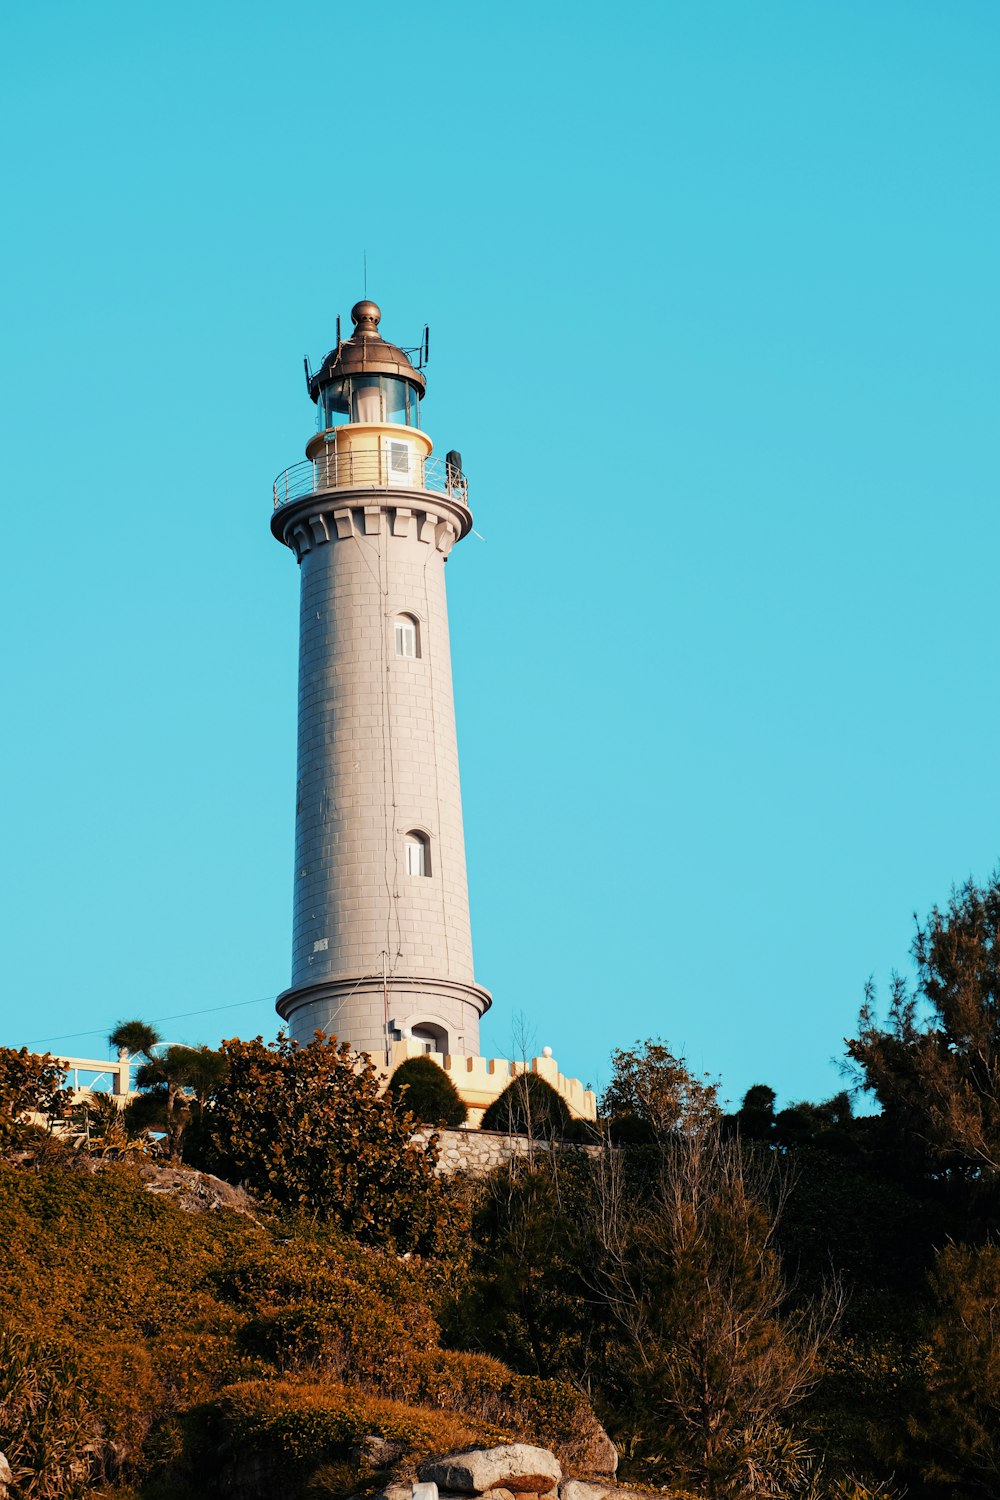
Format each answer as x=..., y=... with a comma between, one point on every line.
x=407, y=633
x=418, y=853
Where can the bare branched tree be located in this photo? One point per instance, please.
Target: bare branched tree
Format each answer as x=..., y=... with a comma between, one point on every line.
x=688, y=1269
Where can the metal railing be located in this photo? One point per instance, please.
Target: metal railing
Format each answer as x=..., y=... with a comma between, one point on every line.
x=370, y=468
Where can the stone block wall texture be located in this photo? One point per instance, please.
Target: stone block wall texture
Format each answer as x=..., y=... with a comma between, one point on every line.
x=477, y=1153
x=378, y=759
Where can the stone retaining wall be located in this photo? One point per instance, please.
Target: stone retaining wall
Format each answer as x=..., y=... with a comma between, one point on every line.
x=479, y=1152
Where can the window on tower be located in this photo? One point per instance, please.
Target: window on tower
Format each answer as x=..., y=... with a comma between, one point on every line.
x=418, y=853
x=407, y=635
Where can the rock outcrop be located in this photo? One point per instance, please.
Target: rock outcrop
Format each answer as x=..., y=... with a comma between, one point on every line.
x=511, y=1471
x=516, y=1467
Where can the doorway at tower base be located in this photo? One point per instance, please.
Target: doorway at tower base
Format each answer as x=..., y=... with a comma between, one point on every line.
x=480, y=1080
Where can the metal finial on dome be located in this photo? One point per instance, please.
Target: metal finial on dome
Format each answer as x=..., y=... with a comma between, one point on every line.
x=366, y=352
x=365, y=316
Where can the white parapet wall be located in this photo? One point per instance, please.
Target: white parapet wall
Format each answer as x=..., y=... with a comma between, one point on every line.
x=94, y=1075
x=480, y=1080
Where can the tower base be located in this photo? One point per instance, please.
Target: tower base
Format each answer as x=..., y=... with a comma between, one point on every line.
x=372, y=1013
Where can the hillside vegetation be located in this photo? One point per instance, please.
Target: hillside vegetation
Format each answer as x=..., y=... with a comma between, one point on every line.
x=205, y=1349
x=791, y=1304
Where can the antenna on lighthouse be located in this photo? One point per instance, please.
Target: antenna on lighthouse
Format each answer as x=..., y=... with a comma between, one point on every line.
x=427, y=342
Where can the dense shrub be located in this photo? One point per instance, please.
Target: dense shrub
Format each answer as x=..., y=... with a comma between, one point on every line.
x=428, y=1093
x=48, y=1433
x=122, y=1278
x=484, y=1391
x=350, y=1330
x=311, y=1128
x=291, y=1427
x=29, y=1085
x=307, y=1265
x=529, y=1106
x=961, y=1416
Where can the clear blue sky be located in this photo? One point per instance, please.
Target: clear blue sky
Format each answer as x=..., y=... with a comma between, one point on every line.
x=712, y=289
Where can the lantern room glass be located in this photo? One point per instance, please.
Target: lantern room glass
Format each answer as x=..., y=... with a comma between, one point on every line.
x=368, y=398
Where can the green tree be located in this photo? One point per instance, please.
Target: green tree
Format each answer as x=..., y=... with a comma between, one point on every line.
x=935, y=1066
x=651, y=1276
x=311, y=1128
x=426, y=1091
x=754, y=1120
x=829, y=1125
x=182, y=1078
x=527, y=1298
x=529, y=1105
x=174, y=1084
x=655, y=1091
x=30, y=1084
x=960, y=1429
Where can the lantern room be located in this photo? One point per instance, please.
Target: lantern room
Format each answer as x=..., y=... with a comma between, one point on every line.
x=368, y=395
x=365, y=379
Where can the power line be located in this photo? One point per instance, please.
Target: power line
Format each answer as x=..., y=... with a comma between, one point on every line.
x=182, y=1015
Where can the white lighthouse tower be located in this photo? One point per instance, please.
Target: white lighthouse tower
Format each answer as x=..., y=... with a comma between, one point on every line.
x=382, y=947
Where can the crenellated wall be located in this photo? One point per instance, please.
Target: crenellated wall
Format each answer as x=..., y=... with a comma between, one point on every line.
x=480, y=1080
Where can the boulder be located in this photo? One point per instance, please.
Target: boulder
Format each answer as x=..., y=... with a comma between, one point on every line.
x=377, y=1452
x=6, y=1476
x=579, y=1489
x=591, y=1452
x=512, y=1466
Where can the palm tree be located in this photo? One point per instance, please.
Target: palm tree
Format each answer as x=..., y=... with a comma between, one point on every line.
x=184, y=1075
x=135, y=1037
x=177, y=1076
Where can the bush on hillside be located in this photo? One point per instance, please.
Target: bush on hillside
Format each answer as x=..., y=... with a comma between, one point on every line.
x=485, y=1392
x=30, y=1084
x=47, y=1432
x=304, y=1267
x=529, y=1106
x=424, y=1089
x=438, y=1401
x=282, y=1431
x=311, y=1128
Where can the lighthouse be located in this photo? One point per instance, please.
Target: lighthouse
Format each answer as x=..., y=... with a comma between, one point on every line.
x=381, y=943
